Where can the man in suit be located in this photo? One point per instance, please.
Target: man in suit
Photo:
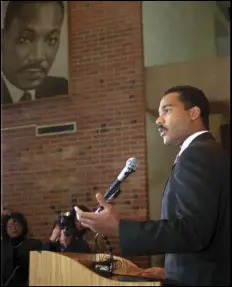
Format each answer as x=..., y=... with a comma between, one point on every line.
x=30, y=41
x=194, y=229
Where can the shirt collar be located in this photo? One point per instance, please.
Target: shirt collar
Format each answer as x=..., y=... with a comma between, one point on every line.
x=187, y=142
x=15, y=93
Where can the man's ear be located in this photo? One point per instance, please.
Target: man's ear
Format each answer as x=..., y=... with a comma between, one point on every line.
x=195, y=113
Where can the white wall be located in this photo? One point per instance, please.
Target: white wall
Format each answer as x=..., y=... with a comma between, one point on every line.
x=176, y=31
x=223, y=46
x=211, y=75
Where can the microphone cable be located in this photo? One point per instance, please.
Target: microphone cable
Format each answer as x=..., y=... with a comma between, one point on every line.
x=110, y=261
x=11, y=276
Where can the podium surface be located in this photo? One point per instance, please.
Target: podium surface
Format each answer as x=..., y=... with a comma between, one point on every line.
x=75, y=269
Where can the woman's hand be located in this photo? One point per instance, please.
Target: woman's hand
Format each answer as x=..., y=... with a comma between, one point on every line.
x=55, y=234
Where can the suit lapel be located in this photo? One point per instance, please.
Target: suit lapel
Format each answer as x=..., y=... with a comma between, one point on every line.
x=203, y=137
x=166, y=183
x=5, y=97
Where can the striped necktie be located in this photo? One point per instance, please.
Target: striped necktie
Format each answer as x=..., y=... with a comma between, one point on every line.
x=26, y=97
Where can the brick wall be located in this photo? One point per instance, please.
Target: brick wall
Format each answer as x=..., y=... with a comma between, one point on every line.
x=44, y=175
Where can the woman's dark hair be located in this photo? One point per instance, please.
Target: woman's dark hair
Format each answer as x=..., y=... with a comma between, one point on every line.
x=16, y=216
x=191, y=96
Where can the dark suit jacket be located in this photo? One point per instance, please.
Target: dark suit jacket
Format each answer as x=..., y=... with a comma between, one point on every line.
x=50, y=87
x=194, y=230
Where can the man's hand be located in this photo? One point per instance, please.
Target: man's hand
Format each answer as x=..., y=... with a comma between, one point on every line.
x=105, y=222
x=156, y=272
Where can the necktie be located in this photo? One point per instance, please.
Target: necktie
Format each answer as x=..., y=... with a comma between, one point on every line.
x=26, y=97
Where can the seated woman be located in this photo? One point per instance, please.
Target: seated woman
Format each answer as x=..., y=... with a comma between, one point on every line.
x=15, y=247
x=63, y=240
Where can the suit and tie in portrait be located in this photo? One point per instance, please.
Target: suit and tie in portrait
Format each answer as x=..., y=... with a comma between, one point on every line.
x=50, y=87
x=31, y=37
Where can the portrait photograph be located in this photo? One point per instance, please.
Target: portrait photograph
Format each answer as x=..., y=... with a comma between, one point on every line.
x=34, y=51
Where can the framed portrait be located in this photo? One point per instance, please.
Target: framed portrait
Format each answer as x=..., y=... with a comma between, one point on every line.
x=35, y=52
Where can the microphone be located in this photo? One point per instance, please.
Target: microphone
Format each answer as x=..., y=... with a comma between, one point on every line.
x=130, y=167
x=113, y=191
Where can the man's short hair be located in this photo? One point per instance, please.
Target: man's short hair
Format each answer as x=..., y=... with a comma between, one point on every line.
x=14, y=7
x=191, y=96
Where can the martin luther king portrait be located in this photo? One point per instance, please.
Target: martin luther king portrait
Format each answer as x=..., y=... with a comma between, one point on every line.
x=34, y=50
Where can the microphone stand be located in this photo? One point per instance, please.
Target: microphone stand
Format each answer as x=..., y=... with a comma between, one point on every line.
x=110, y=261
x=11, y=276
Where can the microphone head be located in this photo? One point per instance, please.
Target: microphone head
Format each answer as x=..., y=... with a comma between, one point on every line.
x=131, y=164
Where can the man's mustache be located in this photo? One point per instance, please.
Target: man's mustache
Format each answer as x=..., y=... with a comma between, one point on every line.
x=34, y=66
x=162, y=127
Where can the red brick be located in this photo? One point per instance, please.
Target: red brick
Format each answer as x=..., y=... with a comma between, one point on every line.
x=106, y=99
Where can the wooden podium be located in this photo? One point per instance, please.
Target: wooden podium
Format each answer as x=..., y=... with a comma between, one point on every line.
x=74, y=269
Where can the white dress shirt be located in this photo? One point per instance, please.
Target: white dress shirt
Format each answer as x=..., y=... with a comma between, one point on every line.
x=187, y=142
x=15, y=93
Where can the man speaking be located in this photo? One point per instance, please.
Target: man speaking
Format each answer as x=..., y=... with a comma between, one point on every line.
x=194, y=230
